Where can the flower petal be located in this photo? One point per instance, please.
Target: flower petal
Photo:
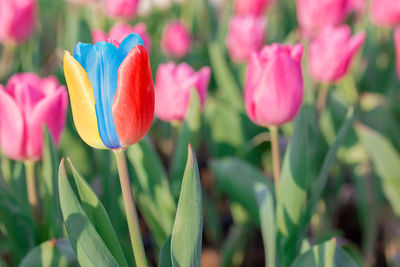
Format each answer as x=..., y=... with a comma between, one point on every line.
x=130, y=42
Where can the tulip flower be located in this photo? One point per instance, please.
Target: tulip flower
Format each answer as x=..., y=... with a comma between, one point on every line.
x=176, y=40
x=17, y=20
x=112, y=100
x=386, y=12
x=397, y=47
x=251, y=7
x=331, y=53
x=121, y=8
x=120, y=31
x=313, y=15
x=173, y=86
x=356, y=6
x=26, y=104
x=245, y=35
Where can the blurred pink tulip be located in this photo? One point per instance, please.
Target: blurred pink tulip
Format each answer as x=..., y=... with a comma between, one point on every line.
x=251, y=7
x=121, y=8
x=397, y=47
x=245, y=35
x=274, y=84
x=356, y=6
x=17, y=20
x=121, y=30
x=26, y=104
x=176, y=40
x=386, y=12
x=332, y=51
x=313, y=15
x=173, y=88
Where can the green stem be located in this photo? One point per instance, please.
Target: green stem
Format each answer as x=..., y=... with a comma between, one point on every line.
x=322, y=97
x=276, y=157
x=6, y=59
x=130, y=210
x=32, y=188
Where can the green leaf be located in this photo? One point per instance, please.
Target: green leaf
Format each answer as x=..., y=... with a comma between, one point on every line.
x=267, y=220
x=237, y=179
x=186, y=238
x=327, y=254
x=386, y=160
x=86, y=242
x=51, y=204
x=98, y=216
x=235, y=244
x=188, y=134
x=52, y=253
x=164, y=259
x=152, y=192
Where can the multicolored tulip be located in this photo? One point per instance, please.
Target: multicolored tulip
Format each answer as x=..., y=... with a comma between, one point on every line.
x=397, y=47
x=17, y=20
x=111, y=91
x=251, y=7
x=313, y=15
x=120, y=31
x=386, y=12
x=332, y=51
x=121, y=8
x=176, y=40
x=274, y=84
x=26, y=104
x=245, y=35
x=173, y=88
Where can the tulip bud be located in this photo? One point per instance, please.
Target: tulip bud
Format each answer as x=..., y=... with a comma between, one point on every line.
x=121, y=8
x=332, y=51
x=274, y=84
x=397, y=47
x=111, y=92
x=251, y=7
x=245, y=35
x=26, y=104
x=17, y=20
x=173, y=86
x=386, y=12
x=313, y=15
x=176, y=40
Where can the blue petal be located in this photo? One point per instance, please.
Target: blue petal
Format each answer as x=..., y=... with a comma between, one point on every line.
x=102, y=65
x=130, y=42
x=81, y=53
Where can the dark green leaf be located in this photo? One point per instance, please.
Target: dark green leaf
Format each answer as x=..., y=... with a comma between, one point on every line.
x=164, y=259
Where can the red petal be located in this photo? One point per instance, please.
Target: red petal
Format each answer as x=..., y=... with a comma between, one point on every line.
x=133, y=106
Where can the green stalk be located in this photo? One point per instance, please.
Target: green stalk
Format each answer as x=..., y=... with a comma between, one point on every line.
x=130, y=210
x=276, y=157
x=322, y=97
x=32, y=188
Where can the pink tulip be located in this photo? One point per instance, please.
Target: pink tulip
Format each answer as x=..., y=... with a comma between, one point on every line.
x=386, y=12
x=356, y=6
x=173, y=89
x=251, y=7
x=313, y=15
x=274, y=84
x=332, y=51
x=26, y=104
x=176, y=40
x=121, y=8
x=245, y=35
x=121, y=30
x=17, y=20
x=397, y=47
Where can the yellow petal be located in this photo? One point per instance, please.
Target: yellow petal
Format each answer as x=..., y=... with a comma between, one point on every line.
x=82, y=101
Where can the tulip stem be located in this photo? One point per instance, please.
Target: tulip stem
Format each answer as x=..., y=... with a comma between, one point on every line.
x=130, y=210
x=322, y=97
x=31, y=188
x=276, y=158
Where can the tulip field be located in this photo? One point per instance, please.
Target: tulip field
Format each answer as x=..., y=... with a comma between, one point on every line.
x=190, y=133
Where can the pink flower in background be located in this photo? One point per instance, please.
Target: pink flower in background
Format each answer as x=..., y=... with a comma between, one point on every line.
x=121, y=30
x=176, y=40
x=332, y=51
x=386, y=12
x=356, y=6
x=173, y=89
x=274, y=84
x=251, y=7
x=83, y=2
x=26, y=104
x=397, y=47
x=121, y=8
x=313, y=15
x=245, y=35
x=17, y=20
